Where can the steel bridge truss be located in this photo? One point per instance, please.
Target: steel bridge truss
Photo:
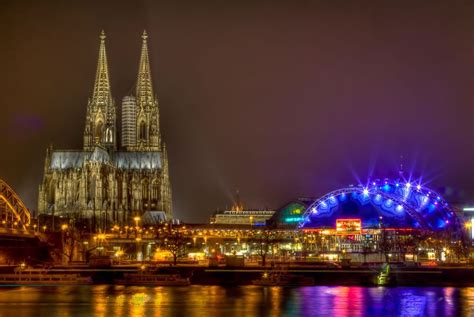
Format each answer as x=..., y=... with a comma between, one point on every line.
x=13, y=212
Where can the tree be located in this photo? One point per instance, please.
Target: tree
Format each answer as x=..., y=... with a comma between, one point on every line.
x=264, y=240
x=173, y=240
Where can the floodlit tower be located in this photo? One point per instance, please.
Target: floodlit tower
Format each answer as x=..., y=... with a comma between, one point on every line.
x=148, y=126
x=129, y=121
x=100, y=129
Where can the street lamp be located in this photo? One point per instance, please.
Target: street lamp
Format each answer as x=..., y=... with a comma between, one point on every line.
x=137, y=219
x=64, y=227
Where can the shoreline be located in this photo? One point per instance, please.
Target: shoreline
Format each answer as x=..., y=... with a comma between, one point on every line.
x=226, y=276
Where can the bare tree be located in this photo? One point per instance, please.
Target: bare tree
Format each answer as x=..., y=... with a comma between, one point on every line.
x=264, y=240
x=174, y=240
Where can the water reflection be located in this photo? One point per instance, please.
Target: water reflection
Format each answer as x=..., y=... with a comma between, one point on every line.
x=109, y=300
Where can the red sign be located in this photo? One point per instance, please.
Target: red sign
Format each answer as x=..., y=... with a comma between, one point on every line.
x=348, y=226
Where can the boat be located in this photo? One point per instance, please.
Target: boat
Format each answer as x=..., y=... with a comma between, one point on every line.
x=283, y=278
x=153, y=279
x=29, y=276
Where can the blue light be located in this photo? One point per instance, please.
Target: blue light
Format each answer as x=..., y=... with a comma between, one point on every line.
x=388, y=203
x=425, y=200
x=402, y=199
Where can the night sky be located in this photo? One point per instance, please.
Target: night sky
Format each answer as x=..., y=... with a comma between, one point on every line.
x=279, y=100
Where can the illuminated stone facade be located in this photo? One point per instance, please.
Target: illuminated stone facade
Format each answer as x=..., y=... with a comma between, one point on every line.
x=105, y=182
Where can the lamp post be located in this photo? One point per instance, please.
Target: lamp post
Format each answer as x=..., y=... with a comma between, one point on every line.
x=64, y=227
x=137, y=219
x=138, y=239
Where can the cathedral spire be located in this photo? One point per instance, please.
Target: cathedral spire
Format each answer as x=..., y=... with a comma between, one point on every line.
x=144, y=85
x=100, y=126
x=101, y=94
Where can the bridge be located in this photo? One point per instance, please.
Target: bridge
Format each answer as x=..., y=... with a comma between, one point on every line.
x=15, y=218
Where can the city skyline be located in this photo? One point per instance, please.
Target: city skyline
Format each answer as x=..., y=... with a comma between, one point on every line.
x=326, y=99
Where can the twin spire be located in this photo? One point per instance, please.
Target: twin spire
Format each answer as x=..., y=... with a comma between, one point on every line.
x=144, y=85
x=102, y=94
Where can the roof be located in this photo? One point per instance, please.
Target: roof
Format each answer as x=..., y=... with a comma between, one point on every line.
x=66, y=159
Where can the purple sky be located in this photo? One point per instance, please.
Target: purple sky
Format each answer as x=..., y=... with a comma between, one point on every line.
x=279, y=100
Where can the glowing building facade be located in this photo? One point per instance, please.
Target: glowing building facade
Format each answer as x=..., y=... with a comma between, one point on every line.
x=106, y=182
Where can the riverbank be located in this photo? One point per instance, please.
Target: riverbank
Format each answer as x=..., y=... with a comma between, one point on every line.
x=352, y=276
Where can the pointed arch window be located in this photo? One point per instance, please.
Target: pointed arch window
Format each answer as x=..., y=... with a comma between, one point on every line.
x=145, y=193
x=142, y=135
x=108, y=135
x=99, y=127
x=155, y=191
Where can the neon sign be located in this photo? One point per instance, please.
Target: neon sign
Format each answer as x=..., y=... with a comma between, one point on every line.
x=348, y=226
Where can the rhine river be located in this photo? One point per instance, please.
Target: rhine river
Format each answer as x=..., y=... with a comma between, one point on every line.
x=242, y=301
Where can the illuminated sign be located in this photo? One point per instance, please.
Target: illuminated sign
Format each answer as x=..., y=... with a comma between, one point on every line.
x=348, y=226
x=293, y=219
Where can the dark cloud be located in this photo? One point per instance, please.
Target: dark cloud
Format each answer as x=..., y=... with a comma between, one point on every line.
x=278, y=99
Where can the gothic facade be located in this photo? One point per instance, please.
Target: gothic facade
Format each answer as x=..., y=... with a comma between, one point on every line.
x=108, y=182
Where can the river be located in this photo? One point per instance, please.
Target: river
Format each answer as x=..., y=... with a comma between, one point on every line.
x=242, y=301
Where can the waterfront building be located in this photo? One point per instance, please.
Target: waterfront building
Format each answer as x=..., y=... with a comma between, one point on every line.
x=239, y=215
x=244, y=217
x=107, y=182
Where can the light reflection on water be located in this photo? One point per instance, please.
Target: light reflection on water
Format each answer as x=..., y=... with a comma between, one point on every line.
x=341, y=301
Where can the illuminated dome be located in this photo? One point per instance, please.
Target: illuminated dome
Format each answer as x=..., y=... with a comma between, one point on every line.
x=390, y=203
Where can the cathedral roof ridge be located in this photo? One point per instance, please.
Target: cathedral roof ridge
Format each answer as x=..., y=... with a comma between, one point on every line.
x=99, y=155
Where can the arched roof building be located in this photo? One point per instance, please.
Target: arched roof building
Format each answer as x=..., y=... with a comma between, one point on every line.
x=388, y=203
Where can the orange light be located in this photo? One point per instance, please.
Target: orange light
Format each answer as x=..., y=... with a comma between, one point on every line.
x=348, y=226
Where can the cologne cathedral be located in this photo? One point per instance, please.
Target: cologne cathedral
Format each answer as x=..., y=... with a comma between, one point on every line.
x=110, y=183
